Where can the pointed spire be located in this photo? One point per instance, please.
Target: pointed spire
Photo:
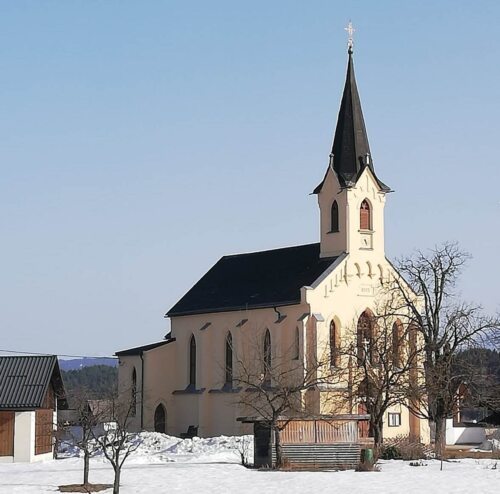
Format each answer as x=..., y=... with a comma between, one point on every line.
x=350, y=151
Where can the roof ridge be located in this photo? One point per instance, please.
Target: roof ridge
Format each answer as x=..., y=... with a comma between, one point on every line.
x=269, y=250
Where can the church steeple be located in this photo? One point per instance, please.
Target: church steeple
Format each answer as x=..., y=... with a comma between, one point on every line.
x=351, y=150
x=351, y=198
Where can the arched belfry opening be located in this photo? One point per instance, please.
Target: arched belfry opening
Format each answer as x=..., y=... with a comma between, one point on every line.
x=334, y=217
x=365, y=216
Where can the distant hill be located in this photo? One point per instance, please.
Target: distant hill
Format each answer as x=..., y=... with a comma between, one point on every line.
x=98, y=381
x=79, y=363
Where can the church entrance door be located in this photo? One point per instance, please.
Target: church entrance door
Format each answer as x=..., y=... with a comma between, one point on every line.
x=160, y=419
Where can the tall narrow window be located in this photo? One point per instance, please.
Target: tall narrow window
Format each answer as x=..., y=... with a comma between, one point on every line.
x=397, y=333
x=334, y=217
x=365, y=220
x=296, y=345
x=267, y=357
x=133, y=394
x=228, y=377
x=334, y=345
x=192, y=362
x=365, y=339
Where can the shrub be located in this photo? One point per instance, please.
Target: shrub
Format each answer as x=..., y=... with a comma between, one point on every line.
x=403, y=448
x=390, y=452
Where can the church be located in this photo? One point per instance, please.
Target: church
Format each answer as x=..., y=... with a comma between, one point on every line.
x=293, y=299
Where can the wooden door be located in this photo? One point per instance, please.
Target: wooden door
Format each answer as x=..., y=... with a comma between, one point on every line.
x=160, y=419
x=363, y=425
x=7, y=433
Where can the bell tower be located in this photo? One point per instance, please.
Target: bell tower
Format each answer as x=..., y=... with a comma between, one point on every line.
x=351, y=198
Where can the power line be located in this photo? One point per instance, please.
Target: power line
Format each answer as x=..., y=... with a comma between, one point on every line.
x=58, y=354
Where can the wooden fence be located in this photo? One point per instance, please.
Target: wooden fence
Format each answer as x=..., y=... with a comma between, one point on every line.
x=320, y=432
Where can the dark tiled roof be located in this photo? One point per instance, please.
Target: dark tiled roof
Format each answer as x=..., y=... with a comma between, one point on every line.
x=256, y=280
x=350, y=144
x=141, y=349
x=24, y=380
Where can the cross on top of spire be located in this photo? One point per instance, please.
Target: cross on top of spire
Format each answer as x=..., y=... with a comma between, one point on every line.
x=350, y=36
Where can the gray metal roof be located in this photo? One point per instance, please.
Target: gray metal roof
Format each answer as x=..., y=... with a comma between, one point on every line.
x=24, y=380
x=254, y=280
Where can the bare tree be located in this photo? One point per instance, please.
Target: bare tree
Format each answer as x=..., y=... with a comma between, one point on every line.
x=116, y=442
x=381, y=358
x=274, y=385
x=83, y=436
x=243, y=447
x=445, y=324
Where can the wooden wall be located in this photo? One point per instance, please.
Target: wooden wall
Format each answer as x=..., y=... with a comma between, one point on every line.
x=44, y=419
x=319, y=432
x=7, y=433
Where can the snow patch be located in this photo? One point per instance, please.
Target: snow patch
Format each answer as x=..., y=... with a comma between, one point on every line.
x=155, y=447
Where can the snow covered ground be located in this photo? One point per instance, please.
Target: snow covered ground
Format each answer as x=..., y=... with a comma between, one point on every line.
x=164, y=464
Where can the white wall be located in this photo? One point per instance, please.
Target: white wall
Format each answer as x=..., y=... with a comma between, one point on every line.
x=24, y=436
x=464, y=435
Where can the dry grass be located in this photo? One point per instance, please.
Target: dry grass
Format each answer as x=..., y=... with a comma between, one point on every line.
x=464, y=453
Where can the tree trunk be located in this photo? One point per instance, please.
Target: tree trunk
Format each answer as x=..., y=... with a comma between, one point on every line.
x=278, y=448
x=440, y=439
x=377, y=433
x=116, y=483
x=86, y=466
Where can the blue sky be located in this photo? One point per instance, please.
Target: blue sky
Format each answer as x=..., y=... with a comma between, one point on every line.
x=141, y=141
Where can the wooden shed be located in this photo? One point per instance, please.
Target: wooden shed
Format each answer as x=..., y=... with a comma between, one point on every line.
x=31, y=390
x=326, y=441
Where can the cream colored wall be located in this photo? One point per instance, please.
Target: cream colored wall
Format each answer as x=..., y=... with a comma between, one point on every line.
x=344, y=294
x=216, y=411
x=403, y=429
x=125, y=369
x=159, y=367
x=166, y=368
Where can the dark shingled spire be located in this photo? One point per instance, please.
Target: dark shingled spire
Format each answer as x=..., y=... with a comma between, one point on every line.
x=350, y=150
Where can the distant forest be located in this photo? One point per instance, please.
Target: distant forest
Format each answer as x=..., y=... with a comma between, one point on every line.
x=99, y=381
